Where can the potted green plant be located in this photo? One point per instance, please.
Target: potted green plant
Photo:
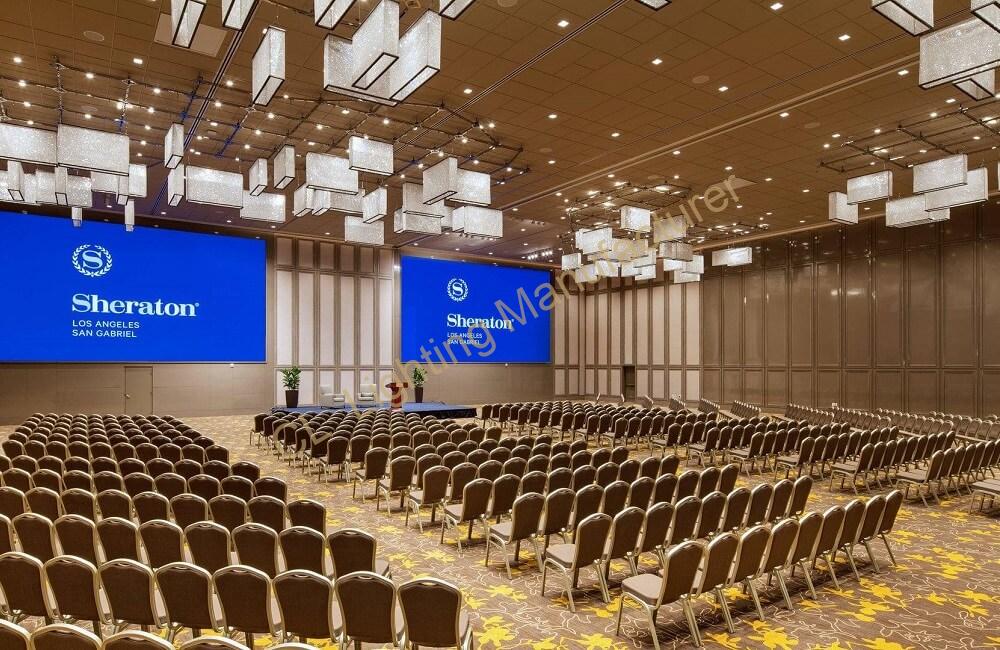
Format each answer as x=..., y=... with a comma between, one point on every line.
x=290, y=378
x=419, y=377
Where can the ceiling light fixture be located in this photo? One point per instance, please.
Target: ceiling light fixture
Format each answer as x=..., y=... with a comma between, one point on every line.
x=657, y=61
x=137, y=61
x=18, y=59
x=615, y=134
x=563, y=23
x=844, y=37
x=776, y=6
x=723, y=89
x=785, y=114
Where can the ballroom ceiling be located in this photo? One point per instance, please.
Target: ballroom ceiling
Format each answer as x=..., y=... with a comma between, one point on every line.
x=574, y=106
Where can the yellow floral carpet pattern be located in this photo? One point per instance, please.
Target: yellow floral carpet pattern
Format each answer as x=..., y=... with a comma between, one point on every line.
x=943, y=595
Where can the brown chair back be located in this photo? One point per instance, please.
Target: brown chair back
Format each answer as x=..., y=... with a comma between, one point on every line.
x=164, y=542
x=119, y=538
x=209, y=544
x=257, y=547
x=245, y=597
x=22, y=584
x=432, y=612
x=367, y=605
x=187, y=595
x=302, y=548
x=305, y=599
x=351, y=550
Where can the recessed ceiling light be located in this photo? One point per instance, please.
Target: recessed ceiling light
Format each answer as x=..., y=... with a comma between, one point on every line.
x=615, y=134
x=729, y=168
x=677, y=152
x=137, y=61
x=467, y=91
x=156, y=91
x=87, y=116
x=491, y=125
x=784, y=114
x=903, y=72
x=89, y=75
x=805, y=191
x=877, y=131
x=563, y=23
x=345, y=111
x=657, y=61
x=826, y=145
x=552, y=116
x=776, y=6
x=723, y=89
x=270, y=116
x=844, y=37
x=802, y=220
x=319, y=127
x=835, y=136
x=18, y=59
x=218, y=104
x=27, y=104
x=150, y=109
x=30, y=122
x=229, y=83
x=213, y=123
x=256, y=131
x=552, y=162
x=933, y=114
x=950, y=100
x=22, y=83
x=677, y=176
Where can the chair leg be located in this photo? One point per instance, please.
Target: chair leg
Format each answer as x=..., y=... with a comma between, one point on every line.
x=871, y=556
x=809, y=581
x=752, y=588
x=652, y=627
x=692, y=621
x=885, y=541
x=506, y=561
x=569, y=592
x=828, y=558
x=784, y=588
x=621, y=608
x=850, y=560
x=603, y=582
x=720, y=598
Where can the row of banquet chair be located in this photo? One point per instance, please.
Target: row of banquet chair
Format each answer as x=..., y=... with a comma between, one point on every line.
x=950, y=467
x=744, y=409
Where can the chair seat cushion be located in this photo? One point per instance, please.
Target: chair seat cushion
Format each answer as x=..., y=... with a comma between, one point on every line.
x=917, y=475
x=788, y=460
x=502, y=530
x=561, y=554
x=646, y=587
x=849, y=467
x=454, y=510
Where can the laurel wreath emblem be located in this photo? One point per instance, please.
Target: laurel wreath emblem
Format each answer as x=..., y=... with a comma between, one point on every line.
x=92, y=274
x=462, y=289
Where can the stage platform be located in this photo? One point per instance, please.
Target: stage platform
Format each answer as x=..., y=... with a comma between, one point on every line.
x=437, y=409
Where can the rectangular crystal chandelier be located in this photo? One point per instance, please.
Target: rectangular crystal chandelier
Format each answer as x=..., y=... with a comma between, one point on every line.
x=673, y=265
x=133, y=185
x=15, y=180
x=91, y=150
x=268, y=68
x=870, y=187
x=60, y=185
x=45, y=187
x=987, y=11
x=680, y=277
x=413, y=203
x=330, y=173
x=979, y=86
x=25, y=144
x=79, y=191
x=655, y=4
x=473, y=188
x=106, y=183
x=359, y=231
x=594, y=241
x=587, y=273
x=284, y=167
x=236, y=12
x=914, y=16
x=175, y=185
x=173, y=146
x=302, y=201
x=479, y=221
x=268, y=206
x=646, y=273
x=635, y=219
x=677, y=251
x=130, y=216
x=670, y=228
x=372, y=156
x=214, y=187
x=338, y=60
x=185, y=15
x=375, y=45
x=419, y=57
x=572, y=261
x=257, y=177
x=412, y=222
x=607, y=268
x=840, y=210
x=940, y=174
x=629, y=269
x=975, y=190
x=375, y=205
x=440, y=180
x=697, y=264
x=732, y=256
x=352, y=204
x=327, y=13
x=958, y=52
x=907, y=211
x=76, y=215
x=453, y=8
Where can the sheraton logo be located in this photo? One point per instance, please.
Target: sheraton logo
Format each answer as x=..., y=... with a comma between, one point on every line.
x=92, y=260
x=91, y=303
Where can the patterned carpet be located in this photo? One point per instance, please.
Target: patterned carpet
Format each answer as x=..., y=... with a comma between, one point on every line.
x=943, y=595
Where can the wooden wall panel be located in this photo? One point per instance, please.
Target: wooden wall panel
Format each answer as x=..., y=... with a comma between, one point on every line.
x=958, y=306
x=800, y=307
x=857, y=312
x=990, y=301
x=921, y=301
x=753, y=386
x=616, y=328
x=801, y=391
x=889, y=389
x=692, y=324
x=732, y=319
x=603, y=315
x=922, y=390
x=753, y=319
x=828, y=388
x=776, y=305
x=958, y=389
x=711, y=325
x=858, y=389
x=642, y=326
x=732, y=385
x=829, y=313
x=674, y=325
x=888, y=310
x=711, y=384
x=776, y=387
x=656, y=322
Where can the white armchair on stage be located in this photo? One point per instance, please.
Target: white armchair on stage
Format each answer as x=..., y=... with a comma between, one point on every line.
x=329, y=398
x=368, y=393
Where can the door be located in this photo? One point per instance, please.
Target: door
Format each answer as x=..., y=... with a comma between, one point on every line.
x=628, y=382
x=138, y=390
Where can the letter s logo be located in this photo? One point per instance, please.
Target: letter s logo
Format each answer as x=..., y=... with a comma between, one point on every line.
x=458, y=290
x=92, y=260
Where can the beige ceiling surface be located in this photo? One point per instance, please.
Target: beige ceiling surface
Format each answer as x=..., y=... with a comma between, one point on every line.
x=622, y=126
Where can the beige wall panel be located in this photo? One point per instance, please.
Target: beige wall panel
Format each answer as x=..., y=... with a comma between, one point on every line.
x=989, y=392
x=327, y=320
x=348, y=382
x=347, y=316
x=857, y=312
x=958, y=391
x=990, y=279
x=800, y=307
x=477, y=383
x=616, y=381
x=628, y=326
x=673, y=326
x=283, y=252
x=283, y=317
x=828, y=388
x=732, y=319
x=675, y=383
x=888, y=311
x=659, y=385
x=573, y=382
x=366, y=321
x=922, y=316
x=753, y=319
x=386, y=318
x=602, y=329
x=657, y=326
x=858, y=240
x=585, y=329
x=327, y=382
x=693, y=386
x=753, y=386
x=776, y=387
x=828, y=314
x=602, y=380
x=346, y=257
x=559, y=332
x=711, y=384
x=366, y=259
x=573, y=329
x=692, y=328
x=858, y=389
x=616, y=328
x=641, y=381
x=889, y=389
x=732, y=385
x=922, y=391
x=306, y=319
x=711, y=326
x=801, y=387
x=385, y=262
x=305, y=254
x=590, y=328
x=958, y=309
x=776, y=315
x=560, y=381
x=590, y=382
x=326, y=256
x=642, y=326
